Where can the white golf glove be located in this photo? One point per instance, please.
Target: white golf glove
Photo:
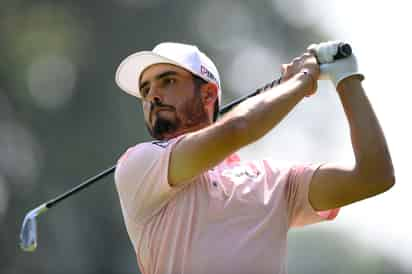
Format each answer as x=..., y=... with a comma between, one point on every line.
x=334, y=70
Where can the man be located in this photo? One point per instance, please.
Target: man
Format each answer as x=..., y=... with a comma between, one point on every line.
x=191, y=205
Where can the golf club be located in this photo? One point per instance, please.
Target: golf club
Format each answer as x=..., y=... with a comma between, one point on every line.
x=28, y=233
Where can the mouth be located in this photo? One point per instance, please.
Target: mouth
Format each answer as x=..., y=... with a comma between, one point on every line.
x=158, y=110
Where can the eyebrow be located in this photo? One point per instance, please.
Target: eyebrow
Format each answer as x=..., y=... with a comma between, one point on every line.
x=158, y=77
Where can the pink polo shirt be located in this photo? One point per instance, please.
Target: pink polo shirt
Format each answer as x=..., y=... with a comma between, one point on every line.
x=233, y=218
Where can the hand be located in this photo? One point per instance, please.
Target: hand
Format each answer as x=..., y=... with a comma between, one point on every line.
x=307, y=66
x=342, y=69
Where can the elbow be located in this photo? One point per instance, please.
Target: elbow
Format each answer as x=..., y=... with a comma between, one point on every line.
x=376, y=170
x=382, y=179
x=387, y=176
x=386, y=181
x=389, y=179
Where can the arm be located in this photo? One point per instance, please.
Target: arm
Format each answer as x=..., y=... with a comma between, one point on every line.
x=245, y=124
x=334, y=185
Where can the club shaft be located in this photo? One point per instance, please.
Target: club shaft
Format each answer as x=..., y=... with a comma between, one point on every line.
x=80, y=187
x=229, y=106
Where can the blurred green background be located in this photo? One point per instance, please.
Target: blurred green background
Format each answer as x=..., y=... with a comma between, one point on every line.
x=63, y=119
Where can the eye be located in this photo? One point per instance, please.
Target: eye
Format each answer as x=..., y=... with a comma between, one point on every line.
x=169, y=81
x=144, y=91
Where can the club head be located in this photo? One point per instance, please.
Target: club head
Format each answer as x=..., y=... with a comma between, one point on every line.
x=28, y=233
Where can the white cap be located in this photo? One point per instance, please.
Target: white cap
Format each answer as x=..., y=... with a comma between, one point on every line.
x=188, y=57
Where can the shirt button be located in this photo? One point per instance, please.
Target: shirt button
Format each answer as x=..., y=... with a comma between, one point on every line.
x=214, y=183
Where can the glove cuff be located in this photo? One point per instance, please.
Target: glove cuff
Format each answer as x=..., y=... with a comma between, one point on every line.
x=342, y=76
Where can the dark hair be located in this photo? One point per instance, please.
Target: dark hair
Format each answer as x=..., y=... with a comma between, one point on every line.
x=198, y=83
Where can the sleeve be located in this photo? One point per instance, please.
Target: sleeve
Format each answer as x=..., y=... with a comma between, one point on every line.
x=300, y=210
x=142, y=179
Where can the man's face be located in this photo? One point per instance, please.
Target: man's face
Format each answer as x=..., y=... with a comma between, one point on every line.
x=172, y=104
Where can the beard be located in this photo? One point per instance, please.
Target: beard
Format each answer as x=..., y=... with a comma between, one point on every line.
x=162, y=127
x=191, y=114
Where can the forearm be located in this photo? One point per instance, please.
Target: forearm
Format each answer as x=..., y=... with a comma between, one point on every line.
x=373, y=160
x=258, y=115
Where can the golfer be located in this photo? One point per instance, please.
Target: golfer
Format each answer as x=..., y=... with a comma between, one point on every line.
x=192, y=206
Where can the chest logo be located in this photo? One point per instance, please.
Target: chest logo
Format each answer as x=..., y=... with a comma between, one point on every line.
x=241, y=171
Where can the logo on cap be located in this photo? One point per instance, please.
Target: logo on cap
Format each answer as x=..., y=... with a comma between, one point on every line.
x=207, y=73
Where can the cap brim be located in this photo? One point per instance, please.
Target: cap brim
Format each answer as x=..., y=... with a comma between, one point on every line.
x=129, y=71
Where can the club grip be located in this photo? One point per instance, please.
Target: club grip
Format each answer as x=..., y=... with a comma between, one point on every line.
x=328, y=52
x=344, y=50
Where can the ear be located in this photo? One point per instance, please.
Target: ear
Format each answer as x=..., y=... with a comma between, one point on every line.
x=208, y=93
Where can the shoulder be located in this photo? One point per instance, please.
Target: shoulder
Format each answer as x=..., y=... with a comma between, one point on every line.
x=144, y=151
x=141, y=157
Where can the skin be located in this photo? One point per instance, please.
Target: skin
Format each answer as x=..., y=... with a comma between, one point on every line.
x=172, y=104
x=333, y=185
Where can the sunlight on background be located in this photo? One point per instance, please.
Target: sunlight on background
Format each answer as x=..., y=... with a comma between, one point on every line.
x=382, y=45
x=298, y=13
x=252, y=63
x=381, y=35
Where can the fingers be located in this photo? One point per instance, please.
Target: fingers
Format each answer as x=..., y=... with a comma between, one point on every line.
x=311, y=51
x=296, y=60
x=310, y=55
x=306, y=60
x=287, y=71
x=306, y=64
x=306, y=57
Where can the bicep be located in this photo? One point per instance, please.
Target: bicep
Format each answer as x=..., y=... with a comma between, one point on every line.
x=334, y=186
x=202, y=150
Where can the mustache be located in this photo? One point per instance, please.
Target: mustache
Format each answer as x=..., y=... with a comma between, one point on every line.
x=158, y=104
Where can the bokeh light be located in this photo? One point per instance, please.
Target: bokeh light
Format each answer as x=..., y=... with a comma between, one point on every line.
x=51, y=81
x=47, y=44
x=20, y=155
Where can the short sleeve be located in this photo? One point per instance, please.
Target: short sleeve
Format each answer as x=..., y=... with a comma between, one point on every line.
x=300, y=210
x=142, y=179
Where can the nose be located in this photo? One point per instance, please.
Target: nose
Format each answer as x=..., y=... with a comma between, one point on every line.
x=154, y=96
x=156, y=100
